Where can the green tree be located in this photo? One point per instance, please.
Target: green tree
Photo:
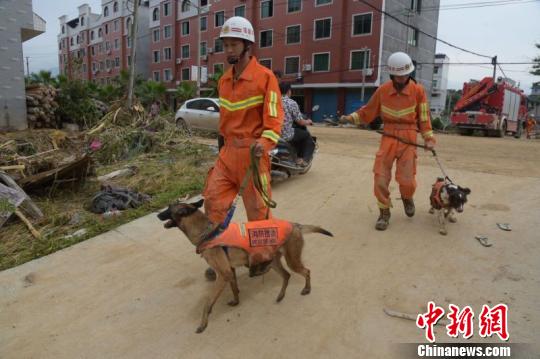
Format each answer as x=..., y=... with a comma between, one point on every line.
x=186, y=90
x=42, y=77
x=213, y=84
x=150, y=91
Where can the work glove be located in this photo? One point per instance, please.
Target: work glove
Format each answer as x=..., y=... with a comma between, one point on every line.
x=345, y=119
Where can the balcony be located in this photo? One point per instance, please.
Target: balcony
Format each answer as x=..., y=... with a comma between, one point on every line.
x=38, y=27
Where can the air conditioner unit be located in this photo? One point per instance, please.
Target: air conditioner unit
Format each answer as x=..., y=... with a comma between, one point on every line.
x=177, y=82
x=306, y=67
x=178, y=61
x=204, y=58
x=210, y=50
x=368, y=72
x=109, y=70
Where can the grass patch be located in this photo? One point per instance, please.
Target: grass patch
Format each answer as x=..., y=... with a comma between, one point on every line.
x=166, y=175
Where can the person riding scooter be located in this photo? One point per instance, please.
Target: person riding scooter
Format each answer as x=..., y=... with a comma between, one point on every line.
x=294, y=128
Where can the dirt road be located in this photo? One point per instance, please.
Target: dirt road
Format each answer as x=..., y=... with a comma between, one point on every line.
x=137, y=292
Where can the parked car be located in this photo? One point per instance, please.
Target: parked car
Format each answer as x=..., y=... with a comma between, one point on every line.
x=198, y=113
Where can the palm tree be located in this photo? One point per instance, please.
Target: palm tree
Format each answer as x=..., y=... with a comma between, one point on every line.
x=187, y=90
x=150, y=91
x=213, y=83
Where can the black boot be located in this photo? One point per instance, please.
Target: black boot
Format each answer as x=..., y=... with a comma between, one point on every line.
x=408, y=204
x=383, y=220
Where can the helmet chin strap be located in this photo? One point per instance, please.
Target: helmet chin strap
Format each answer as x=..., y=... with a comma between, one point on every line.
x=234, y=61
x=399, y=86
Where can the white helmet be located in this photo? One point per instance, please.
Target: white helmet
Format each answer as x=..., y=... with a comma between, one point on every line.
x=400, y=64
x=238, y=27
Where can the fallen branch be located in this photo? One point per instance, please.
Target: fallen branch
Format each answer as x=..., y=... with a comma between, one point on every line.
x=38, y=154
x=13, y=167
x=34, y=231
x=7, y=143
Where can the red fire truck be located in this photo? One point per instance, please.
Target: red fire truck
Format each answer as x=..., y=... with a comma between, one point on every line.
x=492, y=107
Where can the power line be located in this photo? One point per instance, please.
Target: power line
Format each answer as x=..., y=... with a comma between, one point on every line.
x=423, y=32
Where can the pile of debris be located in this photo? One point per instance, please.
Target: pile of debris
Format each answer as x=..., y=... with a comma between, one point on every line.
x=41, y=106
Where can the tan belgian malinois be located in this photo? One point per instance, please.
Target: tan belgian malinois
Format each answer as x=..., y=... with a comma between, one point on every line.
x=196, y=225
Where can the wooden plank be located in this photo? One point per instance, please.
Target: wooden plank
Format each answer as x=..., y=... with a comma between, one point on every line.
x=28, y=205
x=10, y=199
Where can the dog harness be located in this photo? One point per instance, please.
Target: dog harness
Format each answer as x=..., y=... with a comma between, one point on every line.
x=435, y=198
x=260, y=239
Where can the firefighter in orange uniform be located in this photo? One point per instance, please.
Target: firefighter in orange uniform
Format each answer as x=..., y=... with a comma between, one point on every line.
x=403, y=107
x=250, y=114
x=530, y=126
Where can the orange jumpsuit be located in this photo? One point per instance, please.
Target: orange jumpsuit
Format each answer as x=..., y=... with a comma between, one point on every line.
x=250, y=111
x=530, y=126
x=402, y=113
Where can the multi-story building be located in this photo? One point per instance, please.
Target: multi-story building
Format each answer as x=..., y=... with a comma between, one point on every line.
x=440, y=84
x=324, y=47
x=96, y=47
x=18, y=23
x=534, y=100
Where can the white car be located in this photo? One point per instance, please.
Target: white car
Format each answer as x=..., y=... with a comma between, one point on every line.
x=199, y=113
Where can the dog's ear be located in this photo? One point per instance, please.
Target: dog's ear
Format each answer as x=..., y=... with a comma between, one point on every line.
x=466, y=190
x=198, y=204
x=165, y=215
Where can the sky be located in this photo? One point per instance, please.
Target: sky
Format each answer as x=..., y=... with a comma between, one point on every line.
x=506, y=28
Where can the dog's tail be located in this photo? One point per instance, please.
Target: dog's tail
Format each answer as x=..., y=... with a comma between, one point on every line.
x=306, y=228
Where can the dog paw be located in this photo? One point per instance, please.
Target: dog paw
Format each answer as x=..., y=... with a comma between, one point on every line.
x=431, y=211
x=280, y=297
x=305, y=291
x=452, y=219
x=442, y=231
x=200, y=329
x=233, y=303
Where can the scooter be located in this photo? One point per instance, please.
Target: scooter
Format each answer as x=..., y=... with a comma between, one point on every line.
x=283, y=159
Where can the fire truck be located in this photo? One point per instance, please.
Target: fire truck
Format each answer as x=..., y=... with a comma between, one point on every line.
x=492, y=107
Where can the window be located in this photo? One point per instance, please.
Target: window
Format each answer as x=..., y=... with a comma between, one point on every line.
x=167, y=75
x=267, y=8
x=78, y=39
x=435, y=70
x=129, y=60
x=100, y=33
x=434, y=84
x=202, y=49
x=128, y=25
x=166, y=9
x=203, y=23
x=218, y=68
x=116, y=44
x=204, y=3
x=100, y=48
x=323, y=28
x=156, y=35
x=412, y=37
x=167, y=32
x=71, y=41
x=93, y=50
x=359, y=59
x=240, y=11
x=266, y=63
x=416, y=5
x=129, y=42
x=155, y=14
x=185, y=74
x=265, y=39
x=156, y=76
x=185, y=28
x=106, y=11
x=321, y=62
x=115, y=6
x=167, y=54
x=156, y=57
x=185, y=51
x=82, y=20
x=106, y=29
x=218, y=45
x=292, y=65
x=116, y=23
x=84, y=68
x=108, y=64
x=294, y=5
x=101, y=66
x=186, y=6
x=362, y=24
x=219, y=18
x=92, y=35
x=293, y=34
x=322, y=2
x=63, y=29
x=117, y=61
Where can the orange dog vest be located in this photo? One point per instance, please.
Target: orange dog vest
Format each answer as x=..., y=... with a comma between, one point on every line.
x=260, y=239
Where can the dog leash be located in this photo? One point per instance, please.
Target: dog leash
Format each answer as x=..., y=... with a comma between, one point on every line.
x=402, y=140
x=252, y=171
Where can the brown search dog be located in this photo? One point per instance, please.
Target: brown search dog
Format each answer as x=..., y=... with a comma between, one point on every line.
x=196, y=225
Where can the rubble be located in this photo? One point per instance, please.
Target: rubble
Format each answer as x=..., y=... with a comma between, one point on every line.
x=41, y=106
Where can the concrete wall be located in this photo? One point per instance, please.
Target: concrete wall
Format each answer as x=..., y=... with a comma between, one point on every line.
x=439, y=91
x=395, y=36
x=14, y=15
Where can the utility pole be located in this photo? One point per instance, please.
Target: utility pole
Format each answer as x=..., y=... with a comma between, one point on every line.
x=199, y=51
x=133, y=36
x=494, y=63
x=27, y=67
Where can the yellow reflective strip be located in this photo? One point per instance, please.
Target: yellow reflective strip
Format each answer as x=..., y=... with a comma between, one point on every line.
x=423, y=112
x=427, y=134
x=399, y=113
x=272, y=104
x=243, y=106
x=356, y=118
x=241, y=102
x=243, y=229
x=383, y=206
x=271, y=135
